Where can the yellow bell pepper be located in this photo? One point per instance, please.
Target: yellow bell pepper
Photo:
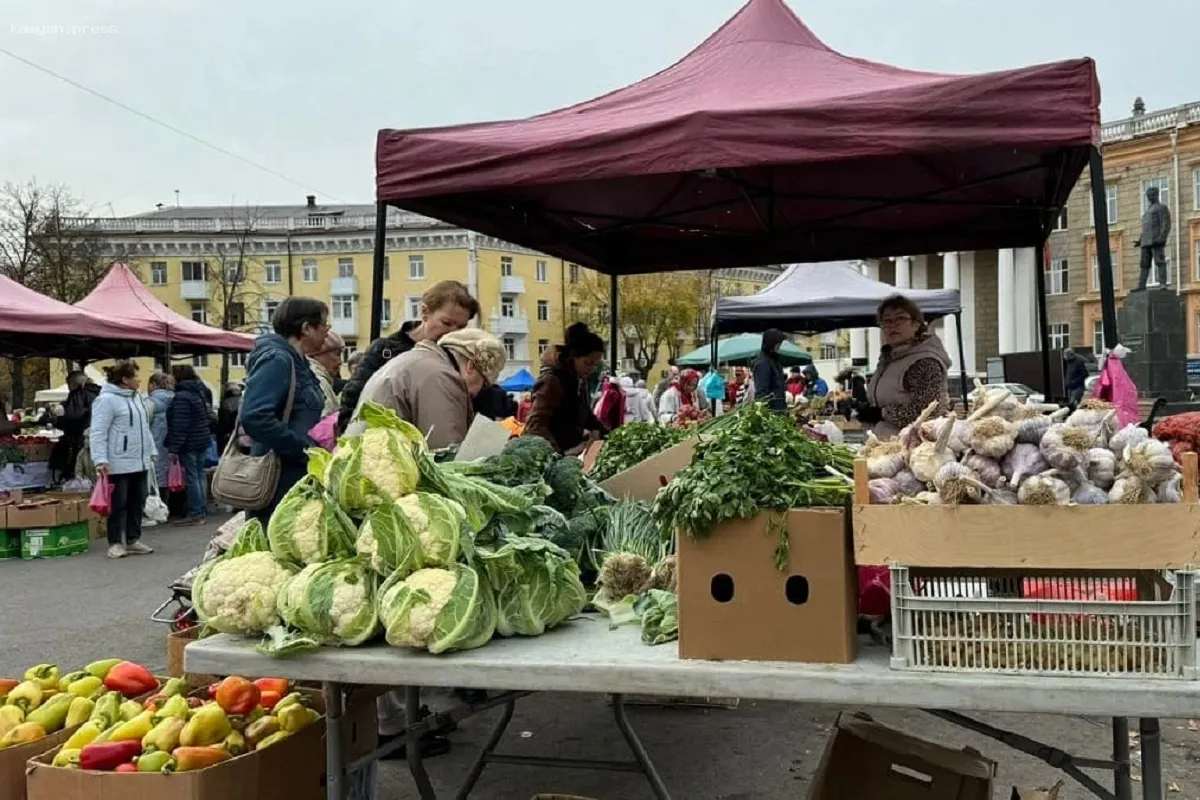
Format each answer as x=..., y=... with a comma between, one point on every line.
x=108, y=710
x=10, y=717
x=208, y=726
x=67, y=757
x=274, y=738
x=296, y=717
x=88, y=732
x=24, y=733
x=261, y=729
x=130, y=709
x=45, y=675
x=234, y=743
x=101, y=668
x=176, y=707
x=164, y=735
x=88, y=686
x=65, y=681
x=135, y=728
x=80, y=711
x=27, y=696
x=158, y=761
x=52, y=715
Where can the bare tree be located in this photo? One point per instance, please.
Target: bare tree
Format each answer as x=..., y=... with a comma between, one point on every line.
x=233, y=279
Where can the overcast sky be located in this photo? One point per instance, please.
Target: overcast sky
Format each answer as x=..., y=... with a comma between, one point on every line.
x=301, y=86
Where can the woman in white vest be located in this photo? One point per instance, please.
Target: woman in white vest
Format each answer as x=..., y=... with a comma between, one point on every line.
x=911, y=372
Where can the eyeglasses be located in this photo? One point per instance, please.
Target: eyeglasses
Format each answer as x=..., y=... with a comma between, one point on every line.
x=894, y=322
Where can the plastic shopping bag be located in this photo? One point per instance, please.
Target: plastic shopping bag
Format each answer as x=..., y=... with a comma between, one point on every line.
x=101, y=501
x=176, y=482
x=212, y=458
x=324, y=433
x=874, y=591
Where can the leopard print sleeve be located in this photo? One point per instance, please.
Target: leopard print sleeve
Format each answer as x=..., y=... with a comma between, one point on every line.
x=924, y=382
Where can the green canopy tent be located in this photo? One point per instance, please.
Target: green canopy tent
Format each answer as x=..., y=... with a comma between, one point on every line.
x=741, y=351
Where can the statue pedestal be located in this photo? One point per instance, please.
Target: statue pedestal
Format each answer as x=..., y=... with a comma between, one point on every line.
x=1154, y=328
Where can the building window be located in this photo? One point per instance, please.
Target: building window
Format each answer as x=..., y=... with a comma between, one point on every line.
x=1116, y=272
x=508, y=306
x=829, y=352
x=414, y=307
x=1152, y=278
x=1098, y=337
x=342, y=306
x=308, y=270
x=1056, y=277
x=1060, y=335
x=200, y=361
x=1110, y=201
x=158, y=273
x=544, y=345
x=1060, y=223
x=273, y=272
x=269, y=307
x=542, y=272
x=416, y=268
x=348, y=353
x=510, y=347
x=576, y=310
x=194, y=270
x=506, y=268
x=387, y=312
x=235, y=273
x=235, y=316
x=237, y=360
x=387, y=268
x=199, y=312
x=1196, y=189
x=1198, y=261
x=543, y=310
x=1164, y=191
x=630, y=350
x=345, y=267
x=574, y=273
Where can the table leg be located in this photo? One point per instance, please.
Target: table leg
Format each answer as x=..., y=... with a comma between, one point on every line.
x=1122, y=785
x=1152, y=777
x=639, y=752
x=335, y=767
x=488, y=750
x=412, y=736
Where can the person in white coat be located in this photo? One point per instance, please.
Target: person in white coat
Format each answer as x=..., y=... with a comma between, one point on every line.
x=638, y=403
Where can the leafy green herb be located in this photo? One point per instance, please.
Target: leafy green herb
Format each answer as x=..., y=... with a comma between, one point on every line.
x=631, y=444
x=756, y=462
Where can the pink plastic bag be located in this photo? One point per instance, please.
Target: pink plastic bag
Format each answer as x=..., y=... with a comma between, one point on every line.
x=176, y=480
x=1118, y=388
x=324, y=433
x=101, y=501
x=874, y=591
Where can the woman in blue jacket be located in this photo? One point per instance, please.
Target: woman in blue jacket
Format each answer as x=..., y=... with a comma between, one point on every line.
x=189, y=433
x=277, y=362
x=123, y=449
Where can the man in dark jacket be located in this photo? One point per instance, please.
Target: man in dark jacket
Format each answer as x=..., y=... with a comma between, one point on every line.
x=447, y=306
x=74, y=423
x=769, y=383
x=1074, y=376
x=189, y=433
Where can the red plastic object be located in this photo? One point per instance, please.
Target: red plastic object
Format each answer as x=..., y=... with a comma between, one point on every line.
x=874, y=591
x=101, y=501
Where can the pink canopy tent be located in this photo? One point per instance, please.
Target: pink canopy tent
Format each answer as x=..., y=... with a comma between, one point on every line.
x=763, y=145
x=123, y=297
x=32, y=324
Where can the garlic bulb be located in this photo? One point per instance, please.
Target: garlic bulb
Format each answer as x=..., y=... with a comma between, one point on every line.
x=1130, y=434
x=884, y=491
x=1001, y=497
x=910, y=437
x=1172, y=490
x=1090, y=415
x=988, y=469
x=1044, y=489
x=1102, y=467
x=1089, y=494
x=956, y=483
x=927, y=458
x=929, y=498
x=908, y=483
x=1130, y=490
x=959, y=434
x=1151, y=461
x=1066, y=447
x=1029, y=431
x=884, y=459
x=1021, y=462
x=993, y=436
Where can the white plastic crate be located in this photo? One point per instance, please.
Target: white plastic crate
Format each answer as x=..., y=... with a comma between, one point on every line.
x=1042, y=625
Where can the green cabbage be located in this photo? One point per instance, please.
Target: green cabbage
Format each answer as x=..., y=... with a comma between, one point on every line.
x=438, y=609
x=536, y=583
x=326, y=604
x=659, y=611
x=306, y=528
x=387, y=538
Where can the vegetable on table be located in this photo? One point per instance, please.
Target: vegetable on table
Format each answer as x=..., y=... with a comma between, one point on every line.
x=659, y=611
x=237, y=592
x=631, y=444
x=536, y=583
x=308, y=528
x=325, y=604
x=439, y=609
x=387, y=458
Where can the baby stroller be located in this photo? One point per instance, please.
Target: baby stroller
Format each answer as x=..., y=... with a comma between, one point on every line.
x=177, y=610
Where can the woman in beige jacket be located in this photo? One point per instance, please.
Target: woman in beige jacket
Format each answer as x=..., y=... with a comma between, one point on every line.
x=431, y=385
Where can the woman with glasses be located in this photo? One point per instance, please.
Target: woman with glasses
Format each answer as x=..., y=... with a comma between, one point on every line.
x=911, y=372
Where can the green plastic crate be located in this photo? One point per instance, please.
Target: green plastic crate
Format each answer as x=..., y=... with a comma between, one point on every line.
x=10, y=544
x=65, y=540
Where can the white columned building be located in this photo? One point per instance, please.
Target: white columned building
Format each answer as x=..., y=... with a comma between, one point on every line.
x=874, y=339
x=1006, y=321
x=859, y=336
x=966, y=288
x=1025, y=299
x=951, y=280
x=903, y=272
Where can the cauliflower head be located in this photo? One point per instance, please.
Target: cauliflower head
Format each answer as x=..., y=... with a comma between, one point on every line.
x=388, y=540
x=239, y=595
x=332, y=602
x=438, y=609
x=437, y=526
x=307, y=528
x=388, y=462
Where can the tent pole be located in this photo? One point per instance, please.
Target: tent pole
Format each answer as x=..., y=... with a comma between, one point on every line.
x=612, y=323
x=962, y=360
x=1043, y=316
x=712, y=335
x=1108, y=304
x=381, y=211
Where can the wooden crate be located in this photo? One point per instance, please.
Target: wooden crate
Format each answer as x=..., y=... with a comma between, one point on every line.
x=1110, y=537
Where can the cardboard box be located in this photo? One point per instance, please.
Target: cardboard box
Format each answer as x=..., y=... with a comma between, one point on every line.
x=865, y=759
x=97, y=527
x=42, y=512
x=294, y=769
x=10, y=544
x=13, y=760
x=735, y=605
x=64, y=540
x=177, y=641
x=642, y=481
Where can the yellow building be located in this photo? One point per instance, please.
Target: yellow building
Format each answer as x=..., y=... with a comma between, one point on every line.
x=213, y=263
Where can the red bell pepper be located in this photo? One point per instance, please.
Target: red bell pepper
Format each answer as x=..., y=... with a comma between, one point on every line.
x=107, y=756
x=128, y=766
x=268, y=698
x=212, y=690
x=280, y=685
x=131, y=680
x=236, y=695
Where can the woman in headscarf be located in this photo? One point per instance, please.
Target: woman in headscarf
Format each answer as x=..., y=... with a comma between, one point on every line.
x=679, y=395
x=911, y=372
x=610, y=408
x=769, y=383
x=562, y=411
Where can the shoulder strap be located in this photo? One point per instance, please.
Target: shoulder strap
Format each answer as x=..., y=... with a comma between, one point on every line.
x=287, y=409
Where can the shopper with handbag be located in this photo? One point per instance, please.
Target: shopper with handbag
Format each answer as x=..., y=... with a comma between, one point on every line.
x=188, y=435
x=280, y=405
x=123, y=451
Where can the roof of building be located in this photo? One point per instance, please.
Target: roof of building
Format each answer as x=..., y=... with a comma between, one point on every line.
x=234, y=212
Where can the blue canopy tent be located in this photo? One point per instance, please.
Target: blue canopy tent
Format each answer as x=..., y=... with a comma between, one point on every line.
x=520, y=381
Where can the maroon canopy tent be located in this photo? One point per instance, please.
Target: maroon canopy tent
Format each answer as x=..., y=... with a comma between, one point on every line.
x=33, y=325
x=122, y=297
x=765, y=146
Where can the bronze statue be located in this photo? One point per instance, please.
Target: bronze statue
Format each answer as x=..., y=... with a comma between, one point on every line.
x=1156, y=227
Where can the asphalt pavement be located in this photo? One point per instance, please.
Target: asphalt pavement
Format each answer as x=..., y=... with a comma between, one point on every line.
x=77, y=609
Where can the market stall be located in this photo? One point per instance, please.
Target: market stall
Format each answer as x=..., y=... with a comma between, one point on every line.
x=741, y=351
